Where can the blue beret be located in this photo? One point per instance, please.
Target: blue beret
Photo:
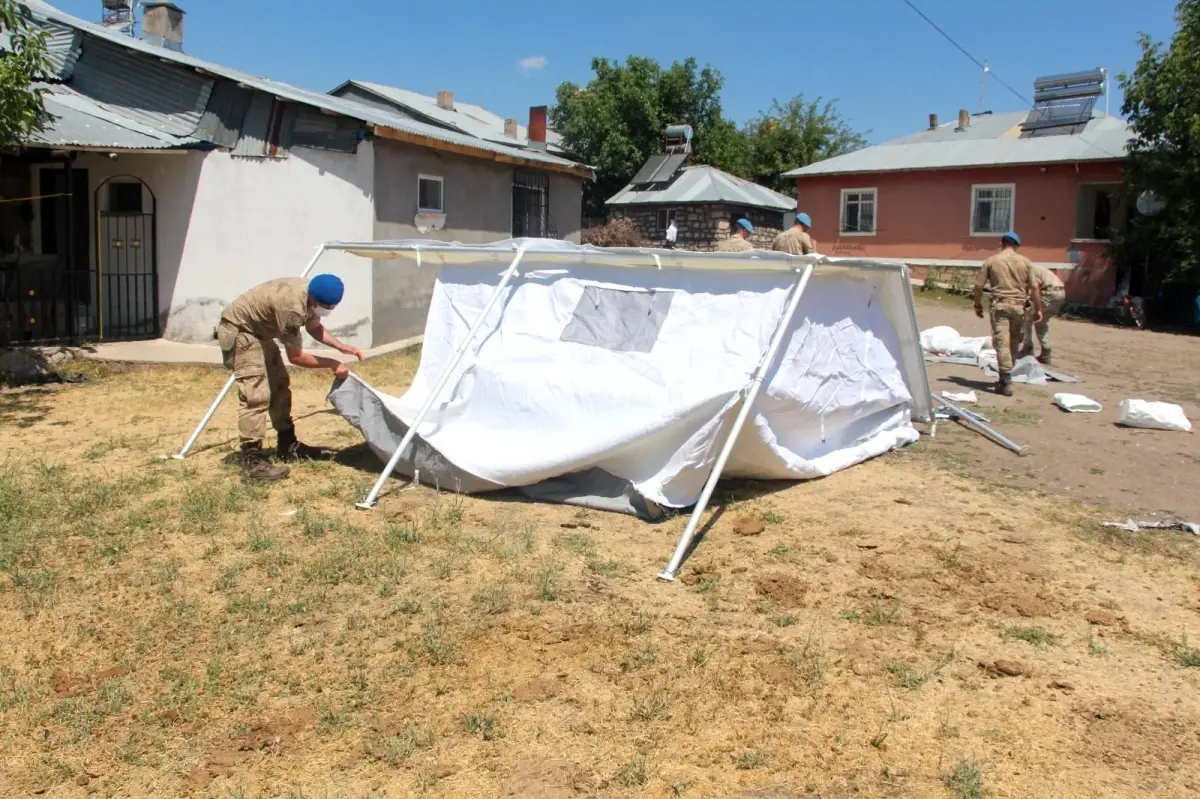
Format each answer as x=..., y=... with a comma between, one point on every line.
x=326, y=290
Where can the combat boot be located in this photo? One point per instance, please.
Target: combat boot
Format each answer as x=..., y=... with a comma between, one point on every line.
x=290, y=450
x=1044, y=358
x=255, y=465
x=1004, y=386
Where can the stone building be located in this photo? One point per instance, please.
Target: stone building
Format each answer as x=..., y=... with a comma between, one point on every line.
x=704, y=202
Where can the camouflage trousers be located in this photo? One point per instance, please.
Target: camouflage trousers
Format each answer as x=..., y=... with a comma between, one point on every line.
x=264, y=388
x=1052, y=303
x=1008, y=317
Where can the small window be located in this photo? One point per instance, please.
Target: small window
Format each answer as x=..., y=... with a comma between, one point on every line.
x=620, y=320
x=665, y=217
x=858, y=212
x=992, y=209
x=429, y=195
x=1097, y=210
x=125, y=198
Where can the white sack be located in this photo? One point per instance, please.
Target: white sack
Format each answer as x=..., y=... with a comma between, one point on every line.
x=947, y=341
x=1153, y=415
x=1076, y=403
x=966, y=396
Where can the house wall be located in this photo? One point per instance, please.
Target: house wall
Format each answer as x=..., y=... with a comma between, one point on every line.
x=702, y=226
x=566, y=206
x=926, y=216
x=226, y=224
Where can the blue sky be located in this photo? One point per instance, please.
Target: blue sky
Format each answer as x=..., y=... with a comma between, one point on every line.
x=886, y=67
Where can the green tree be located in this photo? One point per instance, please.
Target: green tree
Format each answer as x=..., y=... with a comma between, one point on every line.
x=1162, y=103
x=22, y=61
x=795, y=134
x=616, y=121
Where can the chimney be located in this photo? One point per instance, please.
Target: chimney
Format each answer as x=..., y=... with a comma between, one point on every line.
x=510, y=128
x=445, y=100
x=162, y=24
x=933, y=121
x=964, y=119
x=537, y=126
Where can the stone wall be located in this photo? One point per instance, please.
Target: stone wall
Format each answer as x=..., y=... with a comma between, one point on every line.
x=703, y=227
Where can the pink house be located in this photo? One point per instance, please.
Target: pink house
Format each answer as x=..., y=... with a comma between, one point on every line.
x=939, y=199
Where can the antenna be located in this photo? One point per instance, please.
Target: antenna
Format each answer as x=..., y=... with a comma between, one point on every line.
x=117, y=15
x=983, y=83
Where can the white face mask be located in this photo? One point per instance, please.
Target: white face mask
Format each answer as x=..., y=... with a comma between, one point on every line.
x=323, y=312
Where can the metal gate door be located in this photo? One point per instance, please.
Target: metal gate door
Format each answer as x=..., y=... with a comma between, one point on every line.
x=531, y=206
x=126, y=263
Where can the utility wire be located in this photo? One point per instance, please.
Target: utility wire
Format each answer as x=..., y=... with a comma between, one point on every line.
x=963, y=50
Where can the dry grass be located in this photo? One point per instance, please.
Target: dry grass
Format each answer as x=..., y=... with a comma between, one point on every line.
x=173, y=630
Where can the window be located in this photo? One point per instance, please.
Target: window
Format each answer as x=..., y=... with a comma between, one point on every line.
x=1097, y=212
x=620, y=320
x=858, y=212
x=429, y=195
x=992, y=209
x=665, y=217
x=531, y=205
x=125, y=198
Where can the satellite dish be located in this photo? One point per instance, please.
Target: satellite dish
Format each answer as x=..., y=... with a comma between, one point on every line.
x=1149, y=203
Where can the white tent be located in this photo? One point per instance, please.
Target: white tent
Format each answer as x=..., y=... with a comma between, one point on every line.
x=632, y=380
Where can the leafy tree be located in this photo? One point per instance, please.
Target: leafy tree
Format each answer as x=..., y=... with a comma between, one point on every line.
x=1162, y=103
x=22, y=61
x=795, y=134
x=617, y=121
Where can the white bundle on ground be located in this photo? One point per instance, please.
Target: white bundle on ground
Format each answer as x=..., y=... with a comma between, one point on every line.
x=1153, y=416
x=1077, y=403
x=947, y=341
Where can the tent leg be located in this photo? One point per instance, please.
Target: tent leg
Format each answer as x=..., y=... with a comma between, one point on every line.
x=191, y=442
x=785, y=322
x=369, y=501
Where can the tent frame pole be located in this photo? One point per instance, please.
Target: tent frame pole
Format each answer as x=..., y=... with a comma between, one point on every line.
x=751, y=394
x=506, y=278
x=212, y=409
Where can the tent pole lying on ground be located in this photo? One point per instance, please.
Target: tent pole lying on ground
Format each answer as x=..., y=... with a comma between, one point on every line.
x=369, y=502
x=972, y=420
x=212, y=409
x=760, y=374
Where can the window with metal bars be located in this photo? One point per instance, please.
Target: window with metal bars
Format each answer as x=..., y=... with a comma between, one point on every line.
x=992, y=209
x=531, y=205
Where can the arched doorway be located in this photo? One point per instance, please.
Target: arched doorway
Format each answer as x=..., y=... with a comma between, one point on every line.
x=126, y=268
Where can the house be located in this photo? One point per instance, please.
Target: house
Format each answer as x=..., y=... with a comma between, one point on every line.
x=939, y=199
x=166, y=185
x=703, y=201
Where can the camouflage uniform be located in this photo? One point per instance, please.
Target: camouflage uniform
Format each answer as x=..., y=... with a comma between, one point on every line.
x=277, y=309
x=734, y=244
x=1054, y=295
x=794, y=241
x=1008, y=277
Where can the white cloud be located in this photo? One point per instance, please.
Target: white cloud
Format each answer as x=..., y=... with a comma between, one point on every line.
x=532, y=63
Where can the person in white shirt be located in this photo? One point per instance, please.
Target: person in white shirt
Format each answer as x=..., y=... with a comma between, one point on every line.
x=672, y=234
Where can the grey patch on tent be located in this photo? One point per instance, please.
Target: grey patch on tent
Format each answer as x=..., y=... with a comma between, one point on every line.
x=383, y=431
x=618, y=319
x=1028, y=370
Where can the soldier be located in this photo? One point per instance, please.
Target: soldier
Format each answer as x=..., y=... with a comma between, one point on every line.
x=737, y=239
x=795, y=240
x=1008, y=277
x=1054, y=294
x=276, y=309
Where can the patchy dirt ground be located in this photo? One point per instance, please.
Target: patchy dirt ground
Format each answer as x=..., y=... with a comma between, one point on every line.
x=902, y=629
x=1085, y=456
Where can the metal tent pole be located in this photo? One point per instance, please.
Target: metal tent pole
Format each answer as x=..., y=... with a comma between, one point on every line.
x=212, y=409
x=760, y=374
x=371, y=497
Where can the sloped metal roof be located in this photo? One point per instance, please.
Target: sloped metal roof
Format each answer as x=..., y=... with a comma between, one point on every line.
x=706, y=184
x=990, y=140
x=43, y=11
x=80, y=121
x=466, y=117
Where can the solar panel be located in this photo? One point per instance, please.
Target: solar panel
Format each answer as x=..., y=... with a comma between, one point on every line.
x=1064, y=112
x=648, y=169
x=668, y=168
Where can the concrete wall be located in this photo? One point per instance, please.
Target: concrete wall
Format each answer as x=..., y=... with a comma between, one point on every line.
x=225, y=224
x=925, y=216
x=566, y=206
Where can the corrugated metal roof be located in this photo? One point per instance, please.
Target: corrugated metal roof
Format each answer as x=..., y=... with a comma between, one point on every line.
x=62, y=49
x=706, y=184
x=466, y=117
x=347, y=108
x=80, y=121
x=990, y=140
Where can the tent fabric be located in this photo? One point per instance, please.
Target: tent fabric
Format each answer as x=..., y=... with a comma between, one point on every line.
x=614, y=387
